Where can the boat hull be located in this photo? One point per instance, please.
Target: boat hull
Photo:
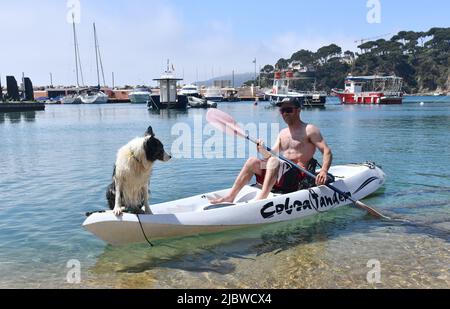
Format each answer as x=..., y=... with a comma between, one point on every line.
x=308, y=100
x=94, y=99
x=214, y=99
x=181, y=103
x=367, y=98
x=195, y=215
x=139, y=98
x=71, y=100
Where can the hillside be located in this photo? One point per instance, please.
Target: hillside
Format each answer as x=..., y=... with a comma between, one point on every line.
x=422, y=59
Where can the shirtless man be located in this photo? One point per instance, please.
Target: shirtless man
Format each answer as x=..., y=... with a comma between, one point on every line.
x=298, y=143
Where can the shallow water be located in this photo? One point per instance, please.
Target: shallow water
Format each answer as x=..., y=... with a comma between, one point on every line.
x=56, y=164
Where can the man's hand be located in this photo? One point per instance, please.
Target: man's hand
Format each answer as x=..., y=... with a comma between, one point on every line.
x=322, y=178
x=260, y=146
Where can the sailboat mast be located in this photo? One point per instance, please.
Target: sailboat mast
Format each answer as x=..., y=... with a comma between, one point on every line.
x=101, y=62
x=75, y=48
x=96, y=57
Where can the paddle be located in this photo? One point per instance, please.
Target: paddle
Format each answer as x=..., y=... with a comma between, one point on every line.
x=227, y=124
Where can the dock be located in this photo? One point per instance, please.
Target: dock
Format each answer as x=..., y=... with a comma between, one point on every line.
x=21, y=107
x=118, y=100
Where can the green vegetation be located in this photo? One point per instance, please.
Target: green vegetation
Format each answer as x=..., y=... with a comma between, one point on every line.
x=422, y=59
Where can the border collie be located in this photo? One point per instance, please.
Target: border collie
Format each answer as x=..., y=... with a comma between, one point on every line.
x=129, y=188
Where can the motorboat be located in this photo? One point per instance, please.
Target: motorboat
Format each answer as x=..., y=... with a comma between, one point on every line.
x=140, y=95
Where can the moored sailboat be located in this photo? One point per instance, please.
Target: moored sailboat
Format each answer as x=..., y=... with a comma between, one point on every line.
x=95, y=95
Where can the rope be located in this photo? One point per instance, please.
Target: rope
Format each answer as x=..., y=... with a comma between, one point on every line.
x=143, y=232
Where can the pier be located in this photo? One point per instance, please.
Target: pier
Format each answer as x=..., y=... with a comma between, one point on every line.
x=21, y=107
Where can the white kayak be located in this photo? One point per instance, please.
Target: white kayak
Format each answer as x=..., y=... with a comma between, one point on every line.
x=195, y=215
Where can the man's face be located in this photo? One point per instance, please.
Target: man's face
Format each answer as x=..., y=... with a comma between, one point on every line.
x=289, y=112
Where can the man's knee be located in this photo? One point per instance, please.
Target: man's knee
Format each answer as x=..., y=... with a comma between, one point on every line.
x=254, y=165
x=252, y=162
x=273, y=164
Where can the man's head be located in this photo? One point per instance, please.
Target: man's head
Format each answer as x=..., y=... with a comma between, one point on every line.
x=290, y=110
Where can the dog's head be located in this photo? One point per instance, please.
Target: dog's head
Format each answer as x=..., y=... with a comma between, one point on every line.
x=154, y=149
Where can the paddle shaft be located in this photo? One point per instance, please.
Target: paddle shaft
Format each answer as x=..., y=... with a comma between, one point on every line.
x=308, y=173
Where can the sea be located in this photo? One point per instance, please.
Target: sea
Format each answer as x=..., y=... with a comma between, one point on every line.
x=55, y=166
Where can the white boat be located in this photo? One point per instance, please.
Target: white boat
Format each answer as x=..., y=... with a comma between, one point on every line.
x=190, y=90
x=140, y=95
x=281, y=90
x=195, y=215
x=195, y=102
x=213, y=94
x=98, y=97
x=71, y=99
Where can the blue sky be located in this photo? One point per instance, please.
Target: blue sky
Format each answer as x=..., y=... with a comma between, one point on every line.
x=205, y=36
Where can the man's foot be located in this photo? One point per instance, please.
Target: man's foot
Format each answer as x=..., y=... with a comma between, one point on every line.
x=221, y=200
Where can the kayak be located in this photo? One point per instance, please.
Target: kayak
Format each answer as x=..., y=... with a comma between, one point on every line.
x=196, y=215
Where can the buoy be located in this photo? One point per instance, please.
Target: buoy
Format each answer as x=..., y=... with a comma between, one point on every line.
x=422, y=103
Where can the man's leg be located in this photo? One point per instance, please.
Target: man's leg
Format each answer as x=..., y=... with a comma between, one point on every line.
x=251, y=167
x=273, y=166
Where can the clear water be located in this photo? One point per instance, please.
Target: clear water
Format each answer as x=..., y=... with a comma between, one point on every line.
x=56, y=164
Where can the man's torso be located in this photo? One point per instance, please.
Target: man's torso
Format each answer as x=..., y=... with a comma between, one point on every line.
x=296, y=145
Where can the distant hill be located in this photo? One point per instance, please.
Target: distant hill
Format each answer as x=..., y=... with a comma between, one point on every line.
x=239, y=79
x=422, y=59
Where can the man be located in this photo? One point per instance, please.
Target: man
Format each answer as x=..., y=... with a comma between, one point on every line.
x=298, y=143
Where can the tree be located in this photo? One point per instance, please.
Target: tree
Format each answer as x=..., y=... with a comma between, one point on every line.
x=323, y=54
x=267, y=69
x=306, y=57
x=422, y=59
x=282, y=64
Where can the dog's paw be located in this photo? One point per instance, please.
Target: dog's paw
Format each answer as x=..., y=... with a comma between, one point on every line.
x=147, y=210
x=117, y=211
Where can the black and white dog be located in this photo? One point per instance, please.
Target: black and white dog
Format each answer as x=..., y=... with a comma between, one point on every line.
x=134, y=163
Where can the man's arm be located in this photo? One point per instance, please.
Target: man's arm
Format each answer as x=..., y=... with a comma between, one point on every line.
x=316, y=138
x=276, y=148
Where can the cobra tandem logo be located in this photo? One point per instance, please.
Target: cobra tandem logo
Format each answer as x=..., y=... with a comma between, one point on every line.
x=314, y=202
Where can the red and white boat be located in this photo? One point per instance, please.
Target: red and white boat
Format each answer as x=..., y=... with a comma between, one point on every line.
x=371, y=90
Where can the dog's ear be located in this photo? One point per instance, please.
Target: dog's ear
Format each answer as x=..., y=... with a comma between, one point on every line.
x=149, y=132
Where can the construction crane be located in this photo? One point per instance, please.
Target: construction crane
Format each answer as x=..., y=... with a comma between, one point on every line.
x=361, y=41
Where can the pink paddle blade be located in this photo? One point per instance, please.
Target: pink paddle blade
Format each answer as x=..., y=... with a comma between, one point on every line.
x=224, y=122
